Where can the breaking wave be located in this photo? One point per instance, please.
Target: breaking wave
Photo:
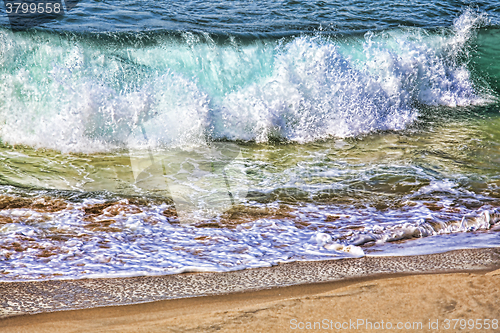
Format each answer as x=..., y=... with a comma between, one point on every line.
x=96, y=93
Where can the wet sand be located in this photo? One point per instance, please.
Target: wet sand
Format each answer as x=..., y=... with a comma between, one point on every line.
x=465, y=286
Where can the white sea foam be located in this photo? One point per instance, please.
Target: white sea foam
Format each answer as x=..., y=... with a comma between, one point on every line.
x=130, y=240
x=83, y=96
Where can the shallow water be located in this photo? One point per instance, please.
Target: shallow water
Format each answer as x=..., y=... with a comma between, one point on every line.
x=223, y=142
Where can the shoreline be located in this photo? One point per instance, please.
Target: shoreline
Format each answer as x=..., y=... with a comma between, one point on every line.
x=28, y=298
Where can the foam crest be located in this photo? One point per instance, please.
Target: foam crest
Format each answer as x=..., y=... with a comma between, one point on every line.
x=483, y=220
x=314, y=93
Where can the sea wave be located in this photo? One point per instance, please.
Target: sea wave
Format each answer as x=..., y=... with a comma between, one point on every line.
x=82, y=94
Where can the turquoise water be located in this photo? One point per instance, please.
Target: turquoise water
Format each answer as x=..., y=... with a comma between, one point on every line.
x=144, y=138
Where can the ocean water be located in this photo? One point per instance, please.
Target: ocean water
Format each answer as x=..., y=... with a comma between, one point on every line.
x=150, y=137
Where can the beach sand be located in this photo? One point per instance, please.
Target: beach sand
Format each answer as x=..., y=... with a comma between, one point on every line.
x=400, y=298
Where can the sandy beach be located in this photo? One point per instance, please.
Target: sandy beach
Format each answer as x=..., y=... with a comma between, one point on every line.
x=409, y=300
x=405, y=301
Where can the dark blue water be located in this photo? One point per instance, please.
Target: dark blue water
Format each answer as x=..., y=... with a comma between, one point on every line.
x=265, y=17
